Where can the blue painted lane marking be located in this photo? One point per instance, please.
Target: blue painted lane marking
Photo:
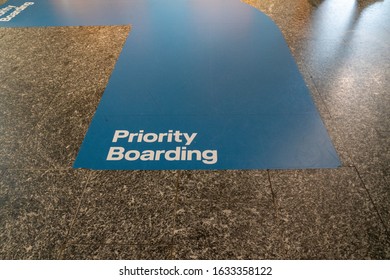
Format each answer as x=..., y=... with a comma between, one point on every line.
x=219, y=70
x=74, y=13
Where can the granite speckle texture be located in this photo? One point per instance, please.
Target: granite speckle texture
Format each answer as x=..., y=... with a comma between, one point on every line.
x=5, y=209
x=229, y=186
x=379, y=189
x=51, y=80
x=367, y=148
x=139, y=207
x=37, y=209
x=325, y=214
x=225, y=230
x=117, y=252
x=225, y=215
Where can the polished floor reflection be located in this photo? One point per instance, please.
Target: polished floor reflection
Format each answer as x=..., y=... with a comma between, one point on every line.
x=51, y=80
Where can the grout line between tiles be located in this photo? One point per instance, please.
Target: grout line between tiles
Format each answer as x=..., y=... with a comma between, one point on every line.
x=372, y=201
x=61, y=251
x=273, y=194
x=171, y=253
x=317, y=92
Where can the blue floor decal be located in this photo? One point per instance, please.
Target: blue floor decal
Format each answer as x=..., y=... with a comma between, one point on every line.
x=200, y=84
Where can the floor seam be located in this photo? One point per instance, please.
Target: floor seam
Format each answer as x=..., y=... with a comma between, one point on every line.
x=273, y=194
x=177, y=185
x=372, y=201
x=315, y=87
x=73, y=221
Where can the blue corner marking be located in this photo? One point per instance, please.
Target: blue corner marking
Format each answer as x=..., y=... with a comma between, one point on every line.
x=200, y=84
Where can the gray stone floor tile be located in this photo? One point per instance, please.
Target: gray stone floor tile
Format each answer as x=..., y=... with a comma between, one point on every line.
x=5, y=210
x=381, y=125
x=117, y=252
x=329, y=69
x=32, y=61
x=16, y=129
x=59, y=134
x=46, y=189
x=26, y=76
x=37, y=236
x=337, y=137
x=228, y=186
x=130, y=207
x=317, y=97
x=371, y=27
x=327, y=214
x=368, y=149
x=339, y=69
x=379, y=190
x=292, y=17
x=157, y=252
x=4, y=190
x=48, y=95
x=5, y=238
x=222, y=231
x=387, y=178
x=223, y=215
x=345, y=100
x=347, y=60
x=39, y=207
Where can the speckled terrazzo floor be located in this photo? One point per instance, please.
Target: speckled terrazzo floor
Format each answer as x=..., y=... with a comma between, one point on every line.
x=51, y=80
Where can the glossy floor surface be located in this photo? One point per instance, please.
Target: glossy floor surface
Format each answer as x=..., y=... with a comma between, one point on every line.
x=51, y=80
